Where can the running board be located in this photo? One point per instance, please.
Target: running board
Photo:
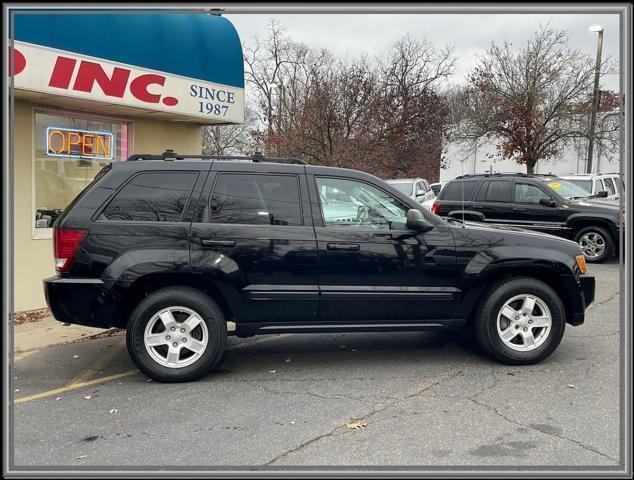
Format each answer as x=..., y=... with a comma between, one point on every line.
x=332, y=327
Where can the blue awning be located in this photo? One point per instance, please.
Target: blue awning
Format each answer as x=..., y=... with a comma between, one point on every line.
x=200, y=46
x=175, y=66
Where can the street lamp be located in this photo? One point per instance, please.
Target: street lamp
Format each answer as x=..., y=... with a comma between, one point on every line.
x=595, y=95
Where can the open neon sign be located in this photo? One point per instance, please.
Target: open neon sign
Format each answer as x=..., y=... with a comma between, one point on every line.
x=68, y=142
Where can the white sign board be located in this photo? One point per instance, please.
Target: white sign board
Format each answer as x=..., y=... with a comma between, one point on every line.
x=57, y=72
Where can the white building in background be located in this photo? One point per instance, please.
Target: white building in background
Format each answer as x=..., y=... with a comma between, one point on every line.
x=485, y=158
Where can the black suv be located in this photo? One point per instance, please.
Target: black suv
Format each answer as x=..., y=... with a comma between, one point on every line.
x=183, y=251
x=543, y=203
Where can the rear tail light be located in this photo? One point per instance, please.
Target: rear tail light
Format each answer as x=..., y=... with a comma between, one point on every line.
x=66, y=244
x=435, y=207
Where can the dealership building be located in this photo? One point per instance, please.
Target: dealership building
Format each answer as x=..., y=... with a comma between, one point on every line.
x=91, y=89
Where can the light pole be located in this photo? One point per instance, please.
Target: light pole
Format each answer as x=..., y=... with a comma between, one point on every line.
x=595, y=95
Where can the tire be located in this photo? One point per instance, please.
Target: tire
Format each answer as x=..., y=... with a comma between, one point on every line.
x=209, y=335
x=601, y=237
x=490, y=323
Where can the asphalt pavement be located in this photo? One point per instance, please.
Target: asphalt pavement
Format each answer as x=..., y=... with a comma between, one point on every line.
x=334, y=400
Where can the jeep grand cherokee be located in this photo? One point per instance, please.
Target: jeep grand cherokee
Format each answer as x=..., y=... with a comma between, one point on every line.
x=182, y=251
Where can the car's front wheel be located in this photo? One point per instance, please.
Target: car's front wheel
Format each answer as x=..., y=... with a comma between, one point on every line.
x=521, y=322
x=176, y=334
x=596, y=244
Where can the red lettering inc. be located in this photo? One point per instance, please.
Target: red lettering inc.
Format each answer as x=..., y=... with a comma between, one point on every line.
x=90, y=72
x=139, y=87
x=62, y=72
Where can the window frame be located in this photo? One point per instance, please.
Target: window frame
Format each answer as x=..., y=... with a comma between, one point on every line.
x=300, y=203
x=96, y=216
x=47, y=233
x=320, y=221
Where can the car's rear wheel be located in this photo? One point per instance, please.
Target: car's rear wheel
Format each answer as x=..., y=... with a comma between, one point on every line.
x=521, y=322
x=176, y=334
x=596, y=244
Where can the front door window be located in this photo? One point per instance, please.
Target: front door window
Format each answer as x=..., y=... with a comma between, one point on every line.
x=350, y=203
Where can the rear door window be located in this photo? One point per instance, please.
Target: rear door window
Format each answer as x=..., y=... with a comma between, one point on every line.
x=152, y=197
x=256, y=199
x=498, y=191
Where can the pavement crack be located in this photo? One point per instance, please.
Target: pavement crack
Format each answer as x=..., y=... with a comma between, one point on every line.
x=331, y=432
x=604, y=301
x=551, y=434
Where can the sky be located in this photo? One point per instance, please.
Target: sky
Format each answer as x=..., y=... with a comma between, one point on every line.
x=469, y=34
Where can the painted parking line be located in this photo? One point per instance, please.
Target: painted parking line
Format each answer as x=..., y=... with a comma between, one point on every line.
x=75, y=386
x=99, y=365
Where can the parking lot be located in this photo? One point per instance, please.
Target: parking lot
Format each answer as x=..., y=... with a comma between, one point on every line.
x=338, y=400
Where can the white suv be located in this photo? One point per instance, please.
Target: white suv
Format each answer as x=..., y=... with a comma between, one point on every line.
x=601, y=182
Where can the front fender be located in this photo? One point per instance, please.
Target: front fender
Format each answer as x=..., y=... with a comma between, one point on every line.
x=492, y=264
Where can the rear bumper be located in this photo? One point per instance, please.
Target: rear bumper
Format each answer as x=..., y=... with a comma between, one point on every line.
x=78, y=301
x=580, y=290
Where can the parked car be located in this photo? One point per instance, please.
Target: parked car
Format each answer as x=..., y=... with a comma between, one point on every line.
x=536, y=202
x=416, y=188
x=182, y=251
x=595, y=184
x=435, y=187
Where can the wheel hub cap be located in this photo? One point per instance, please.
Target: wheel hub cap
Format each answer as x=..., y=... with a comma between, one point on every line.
x=524, y=322
x=176, y=337
x=592, y=245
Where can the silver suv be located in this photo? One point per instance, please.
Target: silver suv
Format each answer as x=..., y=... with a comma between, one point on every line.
x=416, y=188
x=610, y=183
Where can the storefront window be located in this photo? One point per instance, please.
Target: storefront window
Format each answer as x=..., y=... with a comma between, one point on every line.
x=69, y=152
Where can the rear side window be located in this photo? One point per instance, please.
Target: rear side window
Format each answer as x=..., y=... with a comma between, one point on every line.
x=152, y=197
x=256, y=199
x=496, y=191
x=459, y=190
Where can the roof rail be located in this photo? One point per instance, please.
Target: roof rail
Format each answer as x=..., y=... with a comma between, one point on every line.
x=170, y=155
x=499, y=174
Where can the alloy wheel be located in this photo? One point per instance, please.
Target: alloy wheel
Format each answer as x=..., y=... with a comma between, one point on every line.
x=592, y=245
x=176, y=337
x=524, y=322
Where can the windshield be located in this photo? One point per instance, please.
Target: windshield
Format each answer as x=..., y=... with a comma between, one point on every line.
x=403, y=187
x=585, y=184
x=567, y=189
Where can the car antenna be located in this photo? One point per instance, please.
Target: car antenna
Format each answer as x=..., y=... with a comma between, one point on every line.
x=462, y=191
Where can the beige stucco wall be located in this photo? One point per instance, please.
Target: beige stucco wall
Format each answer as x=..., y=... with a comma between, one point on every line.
x=33, y=258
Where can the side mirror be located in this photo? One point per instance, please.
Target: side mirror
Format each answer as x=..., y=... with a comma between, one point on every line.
x=420, y=192
x=416, y=221
x=602, y=194
x=548, y=202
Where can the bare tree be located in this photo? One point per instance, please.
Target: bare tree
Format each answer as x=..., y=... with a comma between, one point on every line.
x=230, y=139
x=383, y=116
x=532, y=102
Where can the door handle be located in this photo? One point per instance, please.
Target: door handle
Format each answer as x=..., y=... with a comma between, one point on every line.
x=350, y=247
x=207, y=242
